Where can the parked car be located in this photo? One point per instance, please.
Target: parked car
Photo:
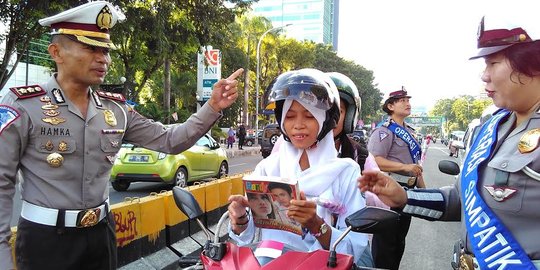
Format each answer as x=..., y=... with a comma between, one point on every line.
x=136, y=164
x=249, y=140
x=270, y=134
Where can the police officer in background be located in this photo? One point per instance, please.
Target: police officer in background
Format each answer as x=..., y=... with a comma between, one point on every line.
x=398, y=153
x=64, y=136
x=498, y=193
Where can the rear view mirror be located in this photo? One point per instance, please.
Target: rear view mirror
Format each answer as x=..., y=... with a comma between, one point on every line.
x=449, y=167
x=186, y=203
x=371, y=219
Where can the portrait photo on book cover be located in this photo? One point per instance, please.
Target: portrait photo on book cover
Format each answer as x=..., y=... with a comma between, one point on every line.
x=269, y=201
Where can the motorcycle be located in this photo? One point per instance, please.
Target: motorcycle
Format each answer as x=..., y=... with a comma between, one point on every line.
x=218, y=254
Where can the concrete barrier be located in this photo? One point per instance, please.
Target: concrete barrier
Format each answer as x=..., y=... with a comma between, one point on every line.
x=147, y=227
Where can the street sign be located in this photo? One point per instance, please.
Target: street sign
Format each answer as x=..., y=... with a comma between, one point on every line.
x=208, y=71
x=424, y=121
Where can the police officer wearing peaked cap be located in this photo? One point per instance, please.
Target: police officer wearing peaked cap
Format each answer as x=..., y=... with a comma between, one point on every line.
x=497, y=195
x=63, y=137
x=397, y=153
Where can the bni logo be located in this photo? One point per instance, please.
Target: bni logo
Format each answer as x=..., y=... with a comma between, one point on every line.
x=212, y=57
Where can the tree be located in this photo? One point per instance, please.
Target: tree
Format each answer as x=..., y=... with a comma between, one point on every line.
x=22, y=17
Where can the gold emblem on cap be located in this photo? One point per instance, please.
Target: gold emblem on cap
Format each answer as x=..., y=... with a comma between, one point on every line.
x=522, y=37
x=49, y=146
x=45, y=99
x=55, y=160
x=110, y=119
x=51, y=113
x=63, y=146
x=104, y=18
x=54, y=120
x=529, y=141
x=49, y=106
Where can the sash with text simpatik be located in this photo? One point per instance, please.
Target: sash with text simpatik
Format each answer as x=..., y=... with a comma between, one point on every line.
x=493, y=245
x=402, y=133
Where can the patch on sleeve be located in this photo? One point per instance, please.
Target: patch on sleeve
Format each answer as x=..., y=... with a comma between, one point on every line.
x=109, y=95
x=7, y=116
x=382, y=135
x=28, y=91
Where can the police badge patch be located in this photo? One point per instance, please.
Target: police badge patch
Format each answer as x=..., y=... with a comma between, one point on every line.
x=7, y=116
x=382, y=135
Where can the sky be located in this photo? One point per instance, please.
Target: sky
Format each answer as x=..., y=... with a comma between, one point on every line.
x=420, y=44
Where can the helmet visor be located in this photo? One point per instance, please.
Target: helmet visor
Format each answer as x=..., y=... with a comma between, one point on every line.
x=312, y=94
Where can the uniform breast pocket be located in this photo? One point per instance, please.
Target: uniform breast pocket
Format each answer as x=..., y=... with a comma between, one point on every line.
x=505, y=183
x=111, y=143
x=56, y=145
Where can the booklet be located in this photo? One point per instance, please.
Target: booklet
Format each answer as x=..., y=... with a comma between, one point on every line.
x=269, y=198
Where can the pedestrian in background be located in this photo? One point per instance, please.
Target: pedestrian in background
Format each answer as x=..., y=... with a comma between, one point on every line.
x=64, y=136
x=241, y=136
x=497, y=195
x=396, y=152
x=230, y=137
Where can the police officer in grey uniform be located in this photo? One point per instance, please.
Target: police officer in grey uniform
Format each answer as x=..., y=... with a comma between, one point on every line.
x=63, y=136
x=498, y=193
x=396, y=152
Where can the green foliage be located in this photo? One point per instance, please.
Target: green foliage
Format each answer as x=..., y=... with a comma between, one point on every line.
x=459, y=112
x=217, y=133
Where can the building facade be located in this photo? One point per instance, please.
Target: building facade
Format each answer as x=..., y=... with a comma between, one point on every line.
x=315, y=20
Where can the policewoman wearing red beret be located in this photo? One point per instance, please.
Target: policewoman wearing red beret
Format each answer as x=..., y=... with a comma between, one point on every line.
x=63, y=136
x=498, y=194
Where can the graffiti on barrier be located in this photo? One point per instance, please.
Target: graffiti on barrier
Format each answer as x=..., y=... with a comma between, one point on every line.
x=126, y=226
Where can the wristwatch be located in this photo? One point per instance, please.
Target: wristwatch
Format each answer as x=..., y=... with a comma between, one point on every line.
x=322, y=230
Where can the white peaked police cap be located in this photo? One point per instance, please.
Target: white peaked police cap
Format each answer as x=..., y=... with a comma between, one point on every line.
x=88, y=23
x=500, y=30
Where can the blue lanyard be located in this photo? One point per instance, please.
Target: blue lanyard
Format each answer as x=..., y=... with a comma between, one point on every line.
x=402, y=133
x=493, y=245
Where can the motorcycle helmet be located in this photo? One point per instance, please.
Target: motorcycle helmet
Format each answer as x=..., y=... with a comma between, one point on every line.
x=348, y=93
x=310, y=86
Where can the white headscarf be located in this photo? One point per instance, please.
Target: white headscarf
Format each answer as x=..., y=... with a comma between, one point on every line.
x=323, y=160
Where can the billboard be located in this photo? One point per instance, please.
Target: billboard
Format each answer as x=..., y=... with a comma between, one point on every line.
x=208, y=71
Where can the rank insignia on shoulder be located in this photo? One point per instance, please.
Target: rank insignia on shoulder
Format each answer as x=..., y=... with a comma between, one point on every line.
x=28, y=91
x=529, y=141
x=113, y=96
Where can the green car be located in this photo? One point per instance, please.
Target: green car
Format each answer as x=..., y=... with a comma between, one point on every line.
x=205, y=159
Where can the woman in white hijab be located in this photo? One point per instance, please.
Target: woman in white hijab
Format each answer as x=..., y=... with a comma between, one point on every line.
x=307, y=109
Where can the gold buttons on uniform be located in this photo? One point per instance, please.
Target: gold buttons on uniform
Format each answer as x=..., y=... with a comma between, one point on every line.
x=55, y=160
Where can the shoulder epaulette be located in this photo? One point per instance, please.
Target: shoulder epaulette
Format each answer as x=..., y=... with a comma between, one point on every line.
x=109, y=95
x=28, y=91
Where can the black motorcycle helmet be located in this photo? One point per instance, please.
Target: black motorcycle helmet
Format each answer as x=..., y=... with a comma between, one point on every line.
x=308, y=85
x=348, y=93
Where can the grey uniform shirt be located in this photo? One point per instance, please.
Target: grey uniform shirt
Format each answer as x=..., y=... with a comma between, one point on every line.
x=87, y=145
x=519, y=212
x=384, y=143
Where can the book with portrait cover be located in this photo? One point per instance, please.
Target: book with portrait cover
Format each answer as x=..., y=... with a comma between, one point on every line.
x=269, y=198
